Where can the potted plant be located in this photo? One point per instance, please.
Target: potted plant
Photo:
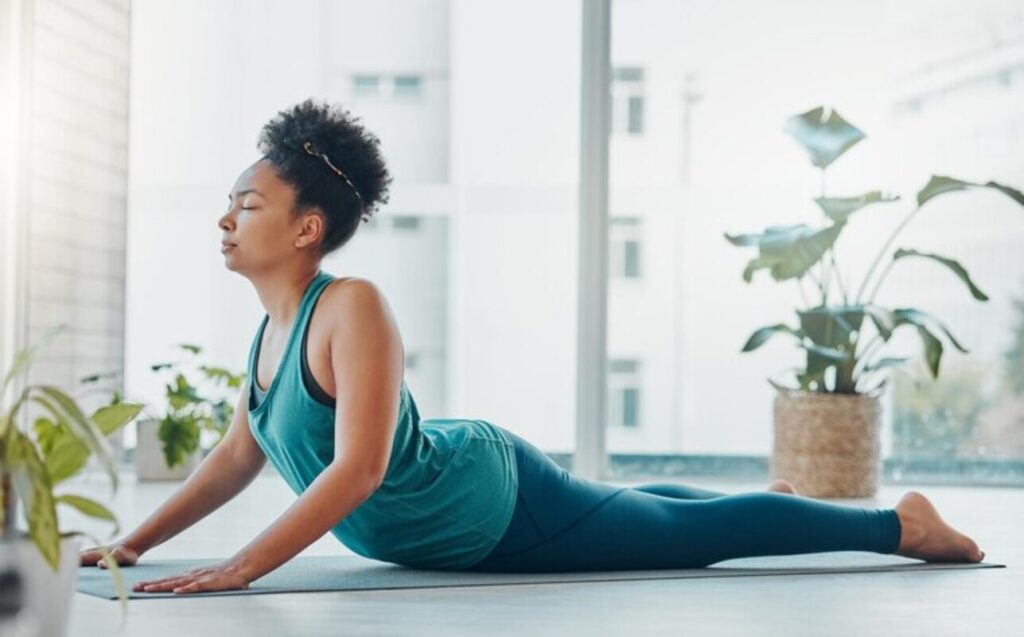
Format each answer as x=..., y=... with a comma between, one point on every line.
x=826, y=430
x=32, y=466
x=168, y=446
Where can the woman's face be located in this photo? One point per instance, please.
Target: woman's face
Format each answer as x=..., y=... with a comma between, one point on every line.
x=258, y=227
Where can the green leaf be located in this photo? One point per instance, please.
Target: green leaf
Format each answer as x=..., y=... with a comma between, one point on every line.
x=883, y=319
x=32, y=484
x=788, y=250
x=758, y=239
x=91, y=508
x=932, y=349
x=195, y=349
x=23, y=359
x=949, y=263
x=47, y=433
x=839, y=209
x=906, y=315
x=883, y=363
x=763, y=334
x=66, y=459
x=824, y=134
x=939, y=184
x=831, y=327
x=110, y=418
x=180, y=437
x=96, y=377
x=182, y=394
x=115, y=572
x=826, y=352
x=69, y=414
x=755, y=264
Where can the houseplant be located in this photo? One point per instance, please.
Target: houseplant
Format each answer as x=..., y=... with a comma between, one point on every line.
x=31, y=467
x=827, y=429
x=169, y=444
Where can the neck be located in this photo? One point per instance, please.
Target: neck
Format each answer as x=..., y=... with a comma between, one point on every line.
x=281, y=291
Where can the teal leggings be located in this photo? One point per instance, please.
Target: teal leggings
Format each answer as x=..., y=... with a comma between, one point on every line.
x=563, y=522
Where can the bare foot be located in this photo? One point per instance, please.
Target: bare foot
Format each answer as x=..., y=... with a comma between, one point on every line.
x=926, y=536
x=782, y=486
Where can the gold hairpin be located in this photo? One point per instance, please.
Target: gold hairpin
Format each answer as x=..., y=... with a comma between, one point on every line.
x=308, y=147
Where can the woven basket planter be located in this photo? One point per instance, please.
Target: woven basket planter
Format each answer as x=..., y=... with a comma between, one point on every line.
x=826, y=444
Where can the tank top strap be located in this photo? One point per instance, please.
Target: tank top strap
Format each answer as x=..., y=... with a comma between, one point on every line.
x=313, y=291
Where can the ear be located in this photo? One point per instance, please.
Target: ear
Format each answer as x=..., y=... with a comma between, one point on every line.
x=311, y=229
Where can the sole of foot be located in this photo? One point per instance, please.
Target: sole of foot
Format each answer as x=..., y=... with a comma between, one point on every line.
x=782, y=486
x=926, y=536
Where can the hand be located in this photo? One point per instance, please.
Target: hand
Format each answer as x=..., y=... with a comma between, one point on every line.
x=222, y=577
x=123, y=553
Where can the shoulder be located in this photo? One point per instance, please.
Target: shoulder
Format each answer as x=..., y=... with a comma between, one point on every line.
x=353, y=299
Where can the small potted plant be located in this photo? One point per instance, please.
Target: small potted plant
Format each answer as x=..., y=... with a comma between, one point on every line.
x=826, y=430
x=168, y=445
x=32, y=466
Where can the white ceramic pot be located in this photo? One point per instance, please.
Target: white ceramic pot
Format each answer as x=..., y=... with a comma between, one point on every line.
x=150, y=463
x=46, y=594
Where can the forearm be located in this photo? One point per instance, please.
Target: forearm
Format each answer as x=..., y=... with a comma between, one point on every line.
x=218, y=478
x=336, y=492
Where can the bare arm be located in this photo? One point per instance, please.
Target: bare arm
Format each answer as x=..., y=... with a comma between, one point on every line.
x=222, y=475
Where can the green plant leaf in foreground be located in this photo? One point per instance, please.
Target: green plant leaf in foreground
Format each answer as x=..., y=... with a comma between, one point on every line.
x=32, y=484
x=90, y=507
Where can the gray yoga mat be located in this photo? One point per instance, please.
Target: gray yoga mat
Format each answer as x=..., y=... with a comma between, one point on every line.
x=349, y=573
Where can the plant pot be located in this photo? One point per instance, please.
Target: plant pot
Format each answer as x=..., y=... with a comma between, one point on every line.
x=827, y=445
x=150, y=463
x=46, y=594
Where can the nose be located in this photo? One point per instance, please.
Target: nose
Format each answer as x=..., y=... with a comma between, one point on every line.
x=225, y=222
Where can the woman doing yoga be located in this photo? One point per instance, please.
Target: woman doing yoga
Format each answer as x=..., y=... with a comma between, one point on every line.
x=326, y=402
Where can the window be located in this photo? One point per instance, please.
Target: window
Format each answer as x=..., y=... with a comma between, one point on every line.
x=407, y=85
x=405, y=222
x=366, y=85
x=628, y=100
x=394, y=86
x=624, y=247
x=624, y=393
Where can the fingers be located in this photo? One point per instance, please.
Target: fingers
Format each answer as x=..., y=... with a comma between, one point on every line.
x=163, y=583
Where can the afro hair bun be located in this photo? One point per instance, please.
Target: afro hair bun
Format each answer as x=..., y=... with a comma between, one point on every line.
x=335, y=132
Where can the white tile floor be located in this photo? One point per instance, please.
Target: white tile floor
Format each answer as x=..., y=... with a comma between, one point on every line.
x=971, y=602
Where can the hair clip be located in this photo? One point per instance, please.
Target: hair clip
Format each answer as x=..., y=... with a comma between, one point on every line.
x=308, y=147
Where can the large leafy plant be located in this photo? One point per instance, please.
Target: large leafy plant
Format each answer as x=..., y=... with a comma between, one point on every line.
x=31, y=467
x=832, y=334
x=189, y=411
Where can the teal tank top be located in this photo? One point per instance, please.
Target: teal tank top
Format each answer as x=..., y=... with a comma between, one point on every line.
x=450, y=487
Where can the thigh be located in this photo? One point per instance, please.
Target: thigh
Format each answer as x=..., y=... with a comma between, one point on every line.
x=549, y=499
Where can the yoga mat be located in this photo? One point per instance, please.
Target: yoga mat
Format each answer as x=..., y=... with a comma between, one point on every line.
x=349, y=573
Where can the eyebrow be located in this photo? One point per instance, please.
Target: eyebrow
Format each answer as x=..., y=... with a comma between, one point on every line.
x=243, y=192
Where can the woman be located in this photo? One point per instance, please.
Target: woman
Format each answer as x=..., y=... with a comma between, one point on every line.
x=327, y=404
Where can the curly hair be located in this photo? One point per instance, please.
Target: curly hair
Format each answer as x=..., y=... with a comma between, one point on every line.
x=355, y=151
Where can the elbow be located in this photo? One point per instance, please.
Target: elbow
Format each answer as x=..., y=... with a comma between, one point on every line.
x=368, y=477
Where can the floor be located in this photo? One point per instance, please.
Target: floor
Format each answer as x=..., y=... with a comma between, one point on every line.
x=971, y=602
